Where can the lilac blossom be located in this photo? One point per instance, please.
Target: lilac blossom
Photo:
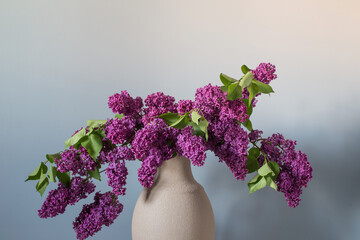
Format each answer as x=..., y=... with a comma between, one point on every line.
x=255, y=135
x=265, y=73
x=157, y=104
x=76, y=160
x=235, y=109
x=147, y=171
x=229, y=142
x=123, y=103
x=120, y=130
x=191, y=146
x=210, y=99
x=103, y=211
x=153, y=144
x=295, y=170
x=117, y=153
x=184, y=106
x=117, y=174
x=59, y=198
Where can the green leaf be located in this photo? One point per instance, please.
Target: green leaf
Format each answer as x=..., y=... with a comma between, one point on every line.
x=195, y=116
x=95, y=174
x=52, y=174
x=74, y=139
x=246, y=80
x=261, y=183
x=252, y=164
x=253, y=90
x=255, y=152
x=234, y=92
x=249, y=106
x=197, y=131
x=226, y=80
x=182, y=122
x=119, y=116
x=169, y=118
x=43, y=181
x=84, y=138
x=64, y=178
x=275, y=167
x=35, y=175
x=270, y=182
x=203, y=125
x=51, y=157
x=101, y=133
x=248, y=125
x=263, y=88
x=265, y=170
x=42, y=187
x=245, y=69
x=93, y=145
x=255, y=179
x=95, y=123
x=224, y=89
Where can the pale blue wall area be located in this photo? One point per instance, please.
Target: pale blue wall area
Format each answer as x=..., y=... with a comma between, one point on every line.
x=60, y=60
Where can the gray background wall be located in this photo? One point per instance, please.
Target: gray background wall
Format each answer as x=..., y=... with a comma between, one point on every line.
x=60, y=60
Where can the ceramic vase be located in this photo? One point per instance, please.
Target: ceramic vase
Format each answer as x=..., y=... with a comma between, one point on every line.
x=176, y=207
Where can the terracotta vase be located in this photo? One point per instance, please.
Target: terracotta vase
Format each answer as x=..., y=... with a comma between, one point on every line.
x=176, y=207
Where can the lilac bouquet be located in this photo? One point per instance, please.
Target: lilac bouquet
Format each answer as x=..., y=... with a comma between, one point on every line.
x=158, y=129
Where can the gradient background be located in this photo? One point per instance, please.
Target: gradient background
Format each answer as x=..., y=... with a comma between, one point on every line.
x=60, y=60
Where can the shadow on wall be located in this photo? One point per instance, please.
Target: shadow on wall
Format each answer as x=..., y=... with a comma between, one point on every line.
x=329, y=208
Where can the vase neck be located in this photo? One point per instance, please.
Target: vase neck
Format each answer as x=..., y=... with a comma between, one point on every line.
x=177, y=169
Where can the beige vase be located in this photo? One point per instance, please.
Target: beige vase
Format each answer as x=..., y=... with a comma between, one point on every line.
x=176, y=207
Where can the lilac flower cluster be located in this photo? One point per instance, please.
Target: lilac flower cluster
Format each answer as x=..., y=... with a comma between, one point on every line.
x=191, y=146
x=210, y=99
x=235, y=109
x=184, y=106
x=77, y=161
x=59, y=198
x=103, y=211
x=295, y=169
x=117, y=174
x=120, y=130
x=265, y=73
x=255, y=135
x=153, y=144
x=229, y=142
x=123, y=103
x=157, y=104
x=212, y=102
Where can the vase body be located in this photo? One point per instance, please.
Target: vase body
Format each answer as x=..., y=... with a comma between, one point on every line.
x=176, y=207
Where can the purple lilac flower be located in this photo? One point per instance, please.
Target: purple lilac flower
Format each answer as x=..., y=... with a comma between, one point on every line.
x=157, y=104
x=191, y=146
x=235, y=109
x=58, y=199
x=265, y=73
x=117, y=174
x=120, y=130
x=295, y=170
x=185, y=106
x=229, y=142
x=116, y=154
x=255, y=135
x=77, y=161
x=210, y=99
x=103, y=211
x=123, y=103
x=153, y=144
x=147, y=171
